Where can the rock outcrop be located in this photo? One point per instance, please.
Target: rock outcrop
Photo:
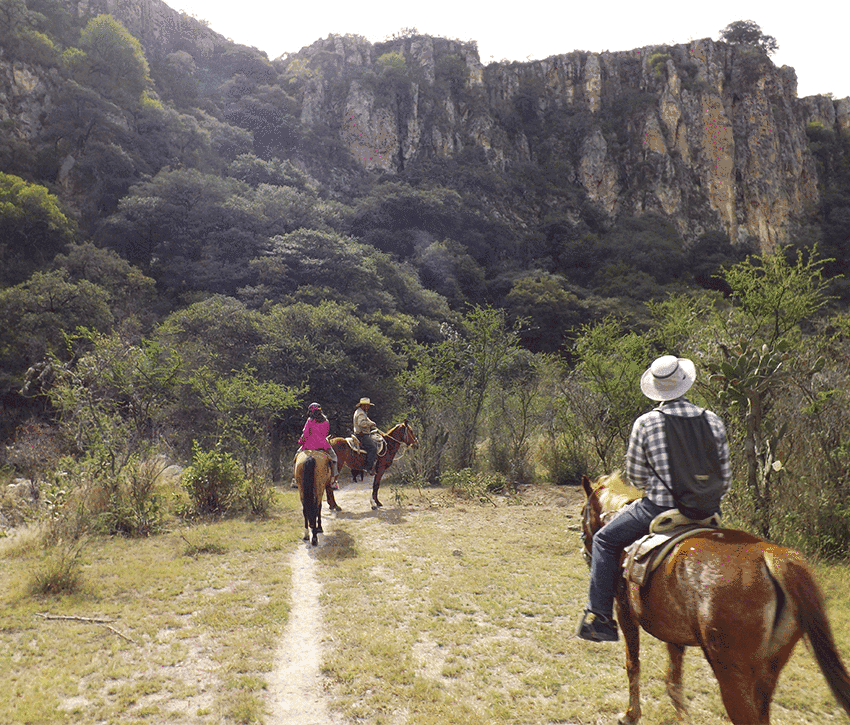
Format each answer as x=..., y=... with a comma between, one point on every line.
x=708, y=134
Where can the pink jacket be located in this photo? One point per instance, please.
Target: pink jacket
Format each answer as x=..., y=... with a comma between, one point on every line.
x=315, y=435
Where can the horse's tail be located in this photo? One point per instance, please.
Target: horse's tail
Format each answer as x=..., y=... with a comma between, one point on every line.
x=799, y=584
x=309, y=483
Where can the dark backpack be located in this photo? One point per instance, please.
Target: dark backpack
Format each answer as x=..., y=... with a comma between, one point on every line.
x=694, y=465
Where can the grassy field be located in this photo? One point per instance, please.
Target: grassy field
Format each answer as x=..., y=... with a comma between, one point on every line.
x=192, y=620
x=436, y=610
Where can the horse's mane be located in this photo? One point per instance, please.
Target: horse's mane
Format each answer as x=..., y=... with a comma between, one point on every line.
x=615, y=492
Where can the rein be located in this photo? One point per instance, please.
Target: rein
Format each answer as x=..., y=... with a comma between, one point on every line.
x=400, y=443
x=586, y=534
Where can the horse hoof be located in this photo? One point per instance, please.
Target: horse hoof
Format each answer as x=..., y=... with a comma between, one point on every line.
x=315, y=541
x=336, y=508
x=320, y=530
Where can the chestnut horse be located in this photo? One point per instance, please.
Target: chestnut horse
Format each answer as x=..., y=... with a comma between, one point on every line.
x=313, y=475
x=743, y=600
x=398, y=435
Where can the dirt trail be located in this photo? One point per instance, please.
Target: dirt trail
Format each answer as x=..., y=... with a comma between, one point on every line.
x=296, y=695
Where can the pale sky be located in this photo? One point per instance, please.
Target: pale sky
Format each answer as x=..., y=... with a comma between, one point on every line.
x=812, y=39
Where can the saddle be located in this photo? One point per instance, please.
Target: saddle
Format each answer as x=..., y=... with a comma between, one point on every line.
x=354, y=443
x=319, y=456
x=666, y=530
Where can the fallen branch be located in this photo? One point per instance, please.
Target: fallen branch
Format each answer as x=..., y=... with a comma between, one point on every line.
x=69, y=618
x=88, y=620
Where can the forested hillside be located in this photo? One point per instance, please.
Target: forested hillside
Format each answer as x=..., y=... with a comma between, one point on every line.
x=198, y=240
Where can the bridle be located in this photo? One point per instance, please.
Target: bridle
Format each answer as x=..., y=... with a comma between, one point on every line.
x=586, y=533
x=407, y=433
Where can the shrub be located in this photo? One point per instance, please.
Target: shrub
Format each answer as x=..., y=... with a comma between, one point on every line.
x=256, y=494
x=134, y=509
x=62, y=571
x=658, y=63
x=470, y=484
x=565, y=461
x=212, y=481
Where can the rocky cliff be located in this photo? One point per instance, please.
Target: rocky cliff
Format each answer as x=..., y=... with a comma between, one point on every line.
x=708, y=134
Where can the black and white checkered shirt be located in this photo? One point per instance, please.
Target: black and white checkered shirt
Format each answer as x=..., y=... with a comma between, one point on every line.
x=647, y=443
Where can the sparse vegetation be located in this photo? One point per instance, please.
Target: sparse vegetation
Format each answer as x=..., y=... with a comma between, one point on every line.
x=190, y=252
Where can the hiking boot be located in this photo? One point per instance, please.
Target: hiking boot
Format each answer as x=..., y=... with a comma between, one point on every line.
x=601, y=629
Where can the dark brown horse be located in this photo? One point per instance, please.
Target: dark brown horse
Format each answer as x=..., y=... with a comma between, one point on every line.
x=743, y=600
x=398, y=435
x=313, y=475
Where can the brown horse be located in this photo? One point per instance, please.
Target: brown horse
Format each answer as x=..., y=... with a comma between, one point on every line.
x=398, y=435
x=313, y=474
x=743, y=600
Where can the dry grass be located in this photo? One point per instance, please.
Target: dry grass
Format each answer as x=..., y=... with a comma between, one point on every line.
x=467, y=614
x=190, y=635
x=436, y=611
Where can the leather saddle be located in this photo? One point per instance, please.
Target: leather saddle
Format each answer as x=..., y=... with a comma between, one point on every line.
x=354, y=443
x=666, y=530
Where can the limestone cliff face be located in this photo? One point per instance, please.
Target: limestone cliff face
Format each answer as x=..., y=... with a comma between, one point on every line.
x=26, y=97
x=710, y=135
x=160, y=29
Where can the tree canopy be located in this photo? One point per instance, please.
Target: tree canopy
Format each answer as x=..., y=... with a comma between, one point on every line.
x=747, y=32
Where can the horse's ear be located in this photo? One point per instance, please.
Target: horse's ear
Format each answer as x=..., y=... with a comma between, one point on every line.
x=587, y=485
x=405, y=422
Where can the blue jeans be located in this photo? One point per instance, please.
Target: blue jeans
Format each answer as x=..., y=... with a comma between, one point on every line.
x=608, y=544
x=368, y=445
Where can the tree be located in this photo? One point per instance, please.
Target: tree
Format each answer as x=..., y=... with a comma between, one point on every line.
x=772, y=298
x=37, y=313
x=516, y=415
x=610, y=361
x=454, y=378
x=549, y=310
x=113, y=60
x=747, y=32
x=131, y=293
x=244, y=408
x=33, y=229
x=112, y=399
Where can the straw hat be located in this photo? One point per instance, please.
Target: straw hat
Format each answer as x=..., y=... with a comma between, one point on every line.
x=669, y=377
x=365, y=401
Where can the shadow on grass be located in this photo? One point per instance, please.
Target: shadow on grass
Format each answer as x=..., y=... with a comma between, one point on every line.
x=335, y=546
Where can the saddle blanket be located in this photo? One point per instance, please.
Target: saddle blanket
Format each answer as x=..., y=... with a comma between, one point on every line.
x=666, y=530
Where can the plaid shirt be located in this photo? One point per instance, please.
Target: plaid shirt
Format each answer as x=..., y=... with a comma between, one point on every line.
x=647, y=445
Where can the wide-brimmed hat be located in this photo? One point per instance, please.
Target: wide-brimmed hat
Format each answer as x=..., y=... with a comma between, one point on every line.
x=365, y=401
x=669, y=377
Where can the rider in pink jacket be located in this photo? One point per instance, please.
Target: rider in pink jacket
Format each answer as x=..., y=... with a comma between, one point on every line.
x=314, y=437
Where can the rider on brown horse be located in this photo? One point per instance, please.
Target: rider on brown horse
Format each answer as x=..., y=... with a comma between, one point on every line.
x=647, y=468
x=315, y=435
x=363, y=429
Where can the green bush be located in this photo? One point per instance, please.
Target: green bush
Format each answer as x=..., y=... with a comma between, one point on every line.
x=565, y=461
x=212, y=481
x=256, y=495
x=133, y=508
x=472, y=485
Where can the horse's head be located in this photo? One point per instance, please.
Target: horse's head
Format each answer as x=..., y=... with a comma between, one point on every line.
x=403, y=433
x=604, y=497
